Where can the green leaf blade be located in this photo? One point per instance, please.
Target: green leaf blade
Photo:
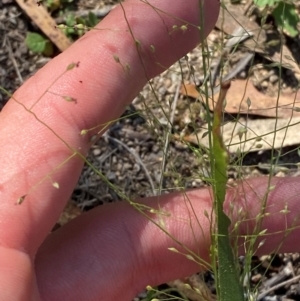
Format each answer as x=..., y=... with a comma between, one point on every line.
x=229, y=287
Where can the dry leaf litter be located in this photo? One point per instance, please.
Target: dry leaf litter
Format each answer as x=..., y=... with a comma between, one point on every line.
x=138, y=138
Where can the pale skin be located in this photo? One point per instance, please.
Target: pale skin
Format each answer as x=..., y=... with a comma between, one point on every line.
x=108, y=253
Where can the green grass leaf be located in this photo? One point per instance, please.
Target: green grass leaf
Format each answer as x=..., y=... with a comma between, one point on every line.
x=228, y=285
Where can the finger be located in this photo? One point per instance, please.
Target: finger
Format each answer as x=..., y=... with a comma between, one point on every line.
x=113, y=252
x=35, y=150
x=271, y=206
x=17, y=276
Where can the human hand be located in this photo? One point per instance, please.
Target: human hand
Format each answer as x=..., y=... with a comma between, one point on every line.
x=107, y=253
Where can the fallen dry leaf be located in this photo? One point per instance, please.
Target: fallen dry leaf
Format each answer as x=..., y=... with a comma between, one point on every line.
x=239, y=94
x=233, y=17
x=39, y=15
x=253, y=135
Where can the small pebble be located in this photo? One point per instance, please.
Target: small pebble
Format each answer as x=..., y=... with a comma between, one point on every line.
x=127, y=166
x=155, y=148
x=264, y=84
x=111, y=176
x=213, y=37
x=264, y=72
x=136, y=167
x=273, y=78
x=256, y=278
x=162, y=90
x=96, y=152
x=243, y=74
x=168, y=83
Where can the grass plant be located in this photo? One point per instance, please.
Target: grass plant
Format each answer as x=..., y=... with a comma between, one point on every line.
x=231, y=280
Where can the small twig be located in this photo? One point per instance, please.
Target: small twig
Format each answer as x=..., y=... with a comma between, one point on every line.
x=238, y=36
x=103, y=157
x=138, y=159
x=282, y=275
x=247, y=7
x=11, y=56
x=239, y=67
x=236, y=70
x=169, y=126
x=275, y=287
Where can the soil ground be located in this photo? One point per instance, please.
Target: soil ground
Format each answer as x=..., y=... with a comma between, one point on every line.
x=121, y=164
